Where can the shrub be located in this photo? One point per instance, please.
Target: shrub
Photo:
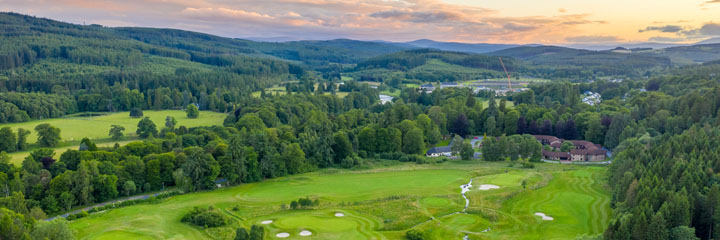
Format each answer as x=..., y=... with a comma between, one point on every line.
x=205, y=217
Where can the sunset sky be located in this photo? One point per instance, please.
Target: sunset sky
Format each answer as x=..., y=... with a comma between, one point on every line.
x=492, y=21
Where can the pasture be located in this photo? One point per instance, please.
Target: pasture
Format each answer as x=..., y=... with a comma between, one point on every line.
x=383, y=203
x=97, y=128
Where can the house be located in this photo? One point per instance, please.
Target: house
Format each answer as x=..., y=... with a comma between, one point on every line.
x=585, y=151
x=221, y=182
x=558, y=156
x=592, y=98
x=439, y=151
x=553, y=141
x=385, y=99
x=427, y=87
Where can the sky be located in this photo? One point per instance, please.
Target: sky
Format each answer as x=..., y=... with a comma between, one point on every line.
x=474, y=21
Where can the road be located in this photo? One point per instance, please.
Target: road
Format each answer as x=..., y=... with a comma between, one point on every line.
x=144, y=196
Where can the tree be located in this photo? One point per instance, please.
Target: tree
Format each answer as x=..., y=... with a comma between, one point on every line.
x=460, y=126
x=242, y=234
x=491, y=150
x=116, y=131
x=490, y=126
x=87, y=145
x=136, y=113
x=8, y=142
x=413, y=142
x=257, y=232
x=129, y=188
x=567, y=146
x=470, y=101
x=22, y=138
x=367, y=139
x=146, y=128
x=467, y=151
x=170, y=122
x=201, y=168
x=456, y=145
x=53, y=230
x=192, y=111
x=48, y=136
x=294, y=158
x=341, y=146
x=511, y=122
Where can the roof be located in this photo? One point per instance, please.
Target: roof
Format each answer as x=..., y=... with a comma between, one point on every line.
x=596, y=151
x=449, y=83
x=445, y=149
x=426, y=86
x=555, y=154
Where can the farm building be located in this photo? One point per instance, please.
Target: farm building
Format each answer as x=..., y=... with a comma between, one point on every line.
x=427, y=88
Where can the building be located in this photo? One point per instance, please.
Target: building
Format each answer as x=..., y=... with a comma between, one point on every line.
x=385, y=99
x=439, y=151
x=557, y=156
x=585, y=151
x=449, y=84
x=427, y=87
x=592, y=98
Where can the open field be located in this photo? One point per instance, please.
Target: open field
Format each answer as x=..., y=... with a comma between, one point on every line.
x=73, y=129
x=76, y=128
x=383, y=203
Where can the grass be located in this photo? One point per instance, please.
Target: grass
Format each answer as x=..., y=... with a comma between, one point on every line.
x=17, y=157
x=97, y=128
x=383, y=203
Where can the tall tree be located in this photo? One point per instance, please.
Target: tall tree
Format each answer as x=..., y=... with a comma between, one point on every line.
x=48, y=136
x=8, y=142
x=192, y=111
x=461, y=125
x=22, y=138
x=413, y=142
x=146, y=128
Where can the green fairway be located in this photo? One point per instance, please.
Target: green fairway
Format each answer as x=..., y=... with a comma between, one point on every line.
x=383, y=204
x=98, y=127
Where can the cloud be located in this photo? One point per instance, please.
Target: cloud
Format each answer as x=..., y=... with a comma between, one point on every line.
x=593, y=39
x=666, y=39
x=711, y=2
x=438, y=16
x=665, y=29
x=562, y=10
x=710, y=29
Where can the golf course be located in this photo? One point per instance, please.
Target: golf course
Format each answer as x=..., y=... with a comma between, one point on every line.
x=385, y=202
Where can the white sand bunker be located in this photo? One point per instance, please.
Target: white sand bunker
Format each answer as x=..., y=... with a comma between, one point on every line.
x=486, y=187
x=282, y=235
x=266, y=222
x=339, y=214
x=305, y=233
x=544, y=217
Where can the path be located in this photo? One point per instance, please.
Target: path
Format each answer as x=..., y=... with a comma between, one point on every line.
x=76, y=211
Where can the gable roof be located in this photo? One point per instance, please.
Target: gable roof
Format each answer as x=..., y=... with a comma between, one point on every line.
x=445, y=149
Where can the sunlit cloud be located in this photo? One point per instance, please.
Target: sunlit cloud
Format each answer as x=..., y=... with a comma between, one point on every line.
x=593, y=39
x=393, y=20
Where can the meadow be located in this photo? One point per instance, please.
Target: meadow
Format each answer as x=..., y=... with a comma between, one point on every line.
x=383, y=203
x=97, y=128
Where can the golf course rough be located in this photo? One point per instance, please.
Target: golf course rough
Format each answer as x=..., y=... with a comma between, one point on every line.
x=383, y=204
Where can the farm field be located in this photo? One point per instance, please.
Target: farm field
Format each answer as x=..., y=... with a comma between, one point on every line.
x=384, y=203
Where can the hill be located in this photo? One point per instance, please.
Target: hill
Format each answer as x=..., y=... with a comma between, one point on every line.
x=692, y=54
x=605, y=62
x=460, y=47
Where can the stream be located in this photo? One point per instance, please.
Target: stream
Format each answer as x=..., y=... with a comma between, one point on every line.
x=466, y=188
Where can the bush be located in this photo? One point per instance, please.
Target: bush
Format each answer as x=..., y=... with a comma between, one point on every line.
x=414, y=235
x=204, y=217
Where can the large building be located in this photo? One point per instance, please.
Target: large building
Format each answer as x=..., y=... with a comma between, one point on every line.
x=584, y=151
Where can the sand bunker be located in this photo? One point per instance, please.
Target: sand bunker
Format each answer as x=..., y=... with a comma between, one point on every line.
x=486, y=187
x=339, y=214
x=544, y=217
x=305, y=233
x=282, y=235
x=267, y=222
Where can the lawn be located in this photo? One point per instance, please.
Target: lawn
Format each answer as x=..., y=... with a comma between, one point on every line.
x=383, y=203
